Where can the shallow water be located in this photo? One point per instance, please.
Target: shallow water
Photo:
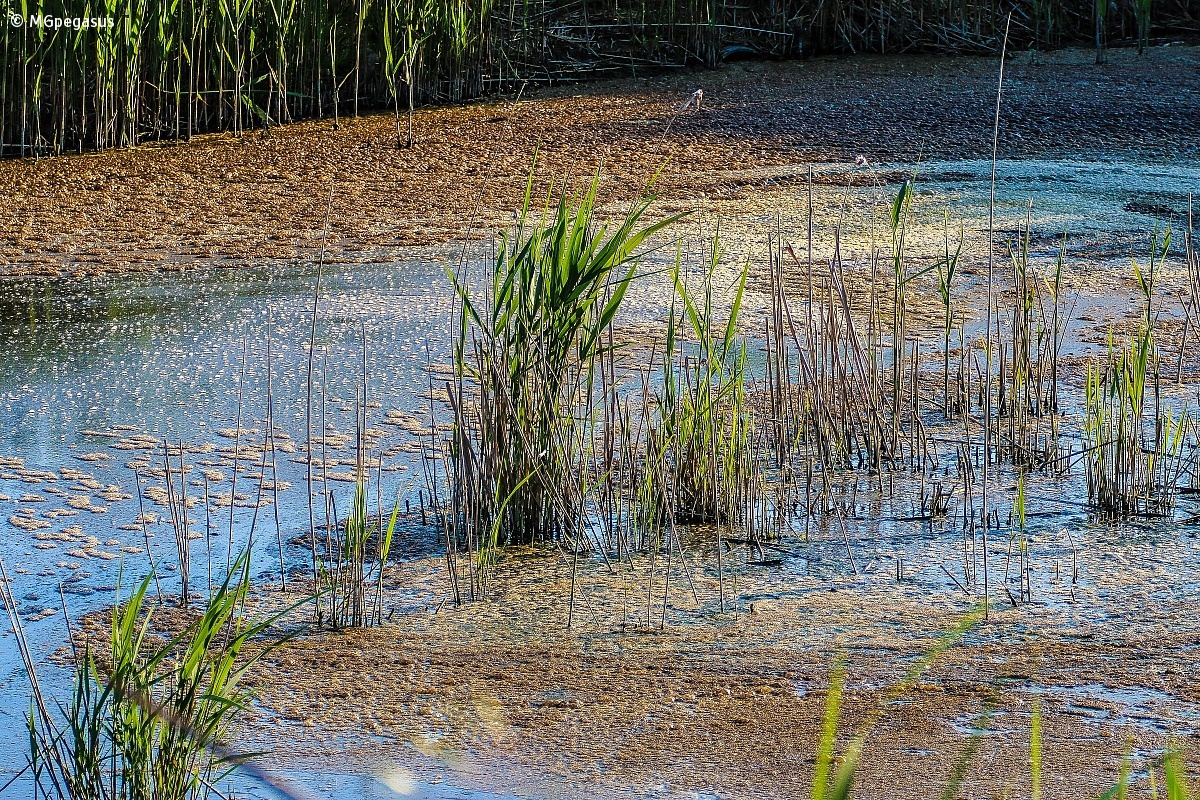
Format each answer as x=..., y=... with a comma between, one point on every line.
x=392, y=785
x=1076, y=196
x=97, y=372
x=1079, y=196
x=91, y=363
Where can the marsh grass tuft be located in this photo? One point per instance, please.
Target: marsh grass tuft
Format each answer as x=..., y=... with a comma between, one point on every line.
x=148, y=717
x=703, y=417
x=1134, y=455
x=527, y=378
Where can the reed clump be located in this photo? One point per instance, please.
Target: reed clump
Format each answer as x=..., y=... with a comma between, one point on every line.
x=147, y=718
x=703, y=420
x=528, y=378
x=1028, y=371
x=1134, y=454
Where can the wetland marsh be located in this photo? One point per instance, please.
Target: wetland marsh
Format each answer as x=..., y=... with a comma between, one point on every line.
x=644, y=653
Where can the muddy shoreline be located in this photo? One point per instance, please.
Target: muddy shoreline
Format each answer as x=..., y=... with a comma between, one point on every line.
x=500, y=696
x=222, y=201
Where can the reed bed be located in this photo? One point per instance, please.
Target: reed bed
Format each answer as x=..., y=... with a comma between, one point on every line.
x=728, y=434
x=757, y=430
x=123, y=72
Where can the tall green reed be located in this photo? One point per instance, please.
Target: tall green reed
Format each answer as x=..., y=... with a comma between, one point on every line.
x=947, y=270
x=526, y=350
x=1133, y=457
x=148, y=718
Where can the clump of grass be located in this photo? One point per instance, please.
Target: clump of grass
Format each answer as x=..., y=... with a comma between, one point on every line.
x=527, y=383
x=703, y=415
x=1133, y=457
x=348, y=595
x=903, y=274
x=898, y=219
x=147, y=718
x=1028, y=370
